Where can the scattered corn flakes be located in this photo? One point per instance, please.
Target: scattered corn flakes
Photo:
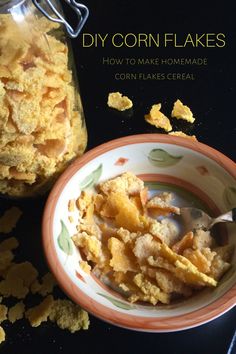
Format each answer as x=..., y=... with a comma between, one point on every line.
x=183, y=135
x=9, y=219
x=157, y=118
x=68, y=315
x=40, y=313
x=18, y=280
x=117, y=101
x=16, y=312
x=180, y=111
x=45, y=287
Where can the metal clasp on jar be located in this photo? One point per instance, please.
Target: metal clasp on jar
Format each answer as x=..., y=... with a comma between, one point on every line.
x=80, y=9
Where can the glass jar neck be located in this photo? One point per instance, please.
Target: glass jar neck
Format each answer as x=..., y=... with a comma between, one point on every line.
x=8, y=4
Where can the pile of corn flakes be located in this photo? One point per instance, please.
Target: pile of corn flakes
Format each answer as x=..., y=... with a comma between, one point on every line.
x=40, y=110
x=128, y=238
x=18, y=280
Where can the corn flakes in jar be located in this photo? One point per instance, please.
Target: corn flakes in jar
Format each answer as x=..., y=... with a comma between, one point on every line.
x=42, y=126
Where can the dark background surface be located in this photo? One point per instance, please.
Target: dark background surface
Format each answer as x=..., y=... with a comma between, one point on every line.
x=211, y=97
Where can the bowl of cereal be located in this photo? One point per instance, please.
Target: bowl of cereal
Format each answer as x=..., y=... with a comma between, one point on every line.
x=113, y=237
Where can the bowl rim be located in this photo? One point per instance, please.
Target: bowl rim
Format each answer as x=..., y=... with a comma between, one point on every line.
x=148, y=324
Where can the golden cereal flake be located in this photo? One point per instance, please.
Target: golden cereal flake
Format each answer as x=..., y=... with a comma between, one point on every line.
x=16, y=312
x=85, y=266
x=40, y=313
x=166, y=230
x=2, y=335
x=127, y=183
x=3, y=313
x=158, y=119
x=125, y=235
x=68, y=315
x=18, y=280
x=150, y=292
x=218, y=267
x=44, y=287
x=9, y=219
x=84, y=201
x=197, y=258
x=180, y=111
x=90, y=245
x=168, y=283
x=117, y=101
x=5, y=259
x=71, y=205
x=183, y=135
x=185, y=242
x=161, y=203
x=145, y=246
x=181, y=267
x=122, y=259
x=202, y=239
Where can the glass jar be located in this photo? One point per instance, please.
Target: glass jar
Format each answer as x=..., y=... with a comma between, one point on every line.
x=42, y=126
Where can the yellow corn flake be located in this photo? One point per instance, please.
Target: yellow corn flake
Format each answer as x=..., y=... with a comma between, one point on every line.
x=68, y=315
x=145, y=246
x=2, y=335
x=40, y=313
x=165, y=230
x=90, y=245
x=44, y=287
x=202, y=239
x=18, y=279
x=3, y=313
x=117, y=101
x=85, y=266
x=71, y=205
x=185, y=242
x=84, y=201
x=161, y=204
x=9, y=219
x=197, y=258
x=127, y=183
x=122, y=259
x=16, y=312
x=183, y=135
x=158, y=119
x=218, y=267
x=6, y=258
x=150, y=292
x=168, y=283
x=180, y=111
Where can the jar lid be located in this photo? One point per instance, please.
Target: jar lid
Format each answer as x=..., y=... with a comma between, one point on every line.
x=81, y=11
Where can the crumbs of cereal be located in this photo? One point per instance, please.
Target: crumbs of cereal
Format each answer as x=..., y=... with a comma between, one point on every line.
x=16, y=312
x=157, y=118
x=68, y=315
x=183, y=135
x=180, y=111
x=38, y=314
x=117, y=101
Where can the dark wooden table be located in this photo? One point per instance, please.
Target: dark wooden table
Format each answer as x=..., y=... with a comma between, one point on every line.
x=211, y=96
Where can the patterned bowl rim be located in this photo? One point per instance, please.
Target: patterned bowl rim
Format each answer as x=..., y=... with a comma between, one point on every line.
x=148, y=324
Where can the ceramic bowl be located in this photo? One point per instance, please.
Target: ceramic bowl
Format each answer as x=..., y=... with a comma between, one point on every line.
x=163, y=162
